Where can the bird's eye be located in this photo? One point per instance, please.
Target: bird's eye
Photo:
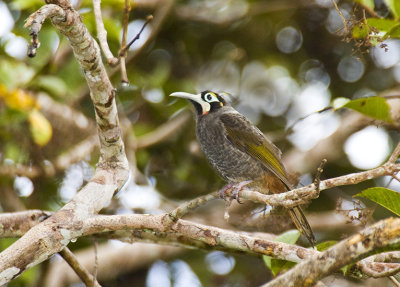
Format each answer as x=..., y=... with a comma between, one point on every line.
x=209, y=97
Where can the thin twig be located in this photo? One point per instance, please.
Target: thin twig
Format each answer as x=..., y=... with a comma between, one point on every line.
x=124, y=76
x=395, y=155
x=394, y=280
x=345, y=31
x=159, y=17
x=369, y=10
x=96, y=260
x=81, y=271
x=320, y=170
x=123, y=50
x=125, y=21
x=185, y=208
x=290, y=128
x=395, y=177
x=102, y=34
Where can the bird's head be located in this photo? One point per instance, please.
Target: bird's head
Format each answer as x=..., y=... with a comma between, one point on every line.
x=206, y=102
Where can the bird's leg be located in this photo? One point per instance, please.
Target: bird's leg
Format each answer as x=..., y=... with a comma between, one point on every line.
x=233, y=189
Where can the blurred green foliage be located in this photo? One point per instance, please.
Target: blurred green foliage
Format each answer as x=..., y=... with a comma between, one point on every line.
x=387, y=198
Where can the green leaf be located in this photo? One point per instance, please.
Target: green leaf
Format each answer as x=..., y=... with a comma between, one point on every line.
x=367, y=3
x=289, y=237
x=360, y=31
x=377, y=28
x=344, y=269
x=374, y=107
x=325, y=245
x=277, y=265
x=394, y=32
x=385, y=197
x=40, y=128
x=383, y=25
x=394, y=7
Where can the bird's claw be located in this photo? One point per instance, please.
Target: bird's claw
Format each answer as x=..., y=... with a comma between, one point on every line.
x=234, y=189
x=223, y=191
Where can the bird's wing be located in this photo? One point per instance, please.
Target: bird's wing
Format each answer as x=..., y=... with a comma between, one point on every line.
x=248, y=138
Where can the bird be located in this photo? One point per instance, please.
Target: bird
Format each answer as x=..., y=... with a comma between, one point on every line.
x=239, y=151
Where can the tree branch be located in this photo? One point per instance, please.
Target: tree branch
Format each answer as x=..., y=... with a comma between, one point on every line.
x=382, y=234
x=18, y=223
x=133, y=256
x=102, y=34
x=81, y=271
x=304, y=194
x=153, y=228
x=53, y=234
x=125, y=48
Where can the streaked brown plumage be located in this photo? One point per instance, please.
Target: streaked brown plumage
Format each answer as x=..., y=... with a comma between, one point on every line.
x=239, y=151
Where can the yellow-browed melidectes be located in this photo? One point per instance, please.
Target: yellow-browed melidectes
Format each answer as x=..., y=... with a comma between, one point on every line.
x=239, y=151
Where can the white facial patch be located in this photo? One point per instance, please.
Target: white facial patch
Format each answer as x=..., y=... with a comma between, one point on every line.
x=206, y=107
x=208, y=98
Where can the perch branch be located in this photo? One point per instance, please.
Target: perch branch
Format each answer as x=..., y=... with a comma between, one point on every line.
x=304, y=194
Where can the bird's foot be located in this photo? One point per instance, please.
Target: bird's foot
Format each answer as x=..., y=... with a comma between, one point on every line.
x=233, y=190
x=225, y=190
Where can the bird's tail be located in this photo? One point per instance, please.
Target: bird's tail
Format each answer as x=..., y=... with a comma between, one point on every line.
x=302, y=224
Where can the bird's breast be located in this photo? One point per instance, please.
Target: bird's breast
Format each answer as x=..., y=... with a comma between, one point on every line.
x=232, y=164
